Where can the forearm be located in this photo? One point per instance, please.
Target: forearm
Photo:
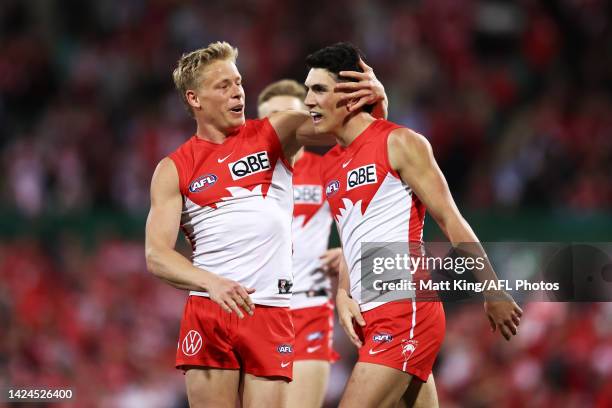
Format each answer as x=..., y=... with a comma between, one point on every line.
x=176, y=270
x=344, y=278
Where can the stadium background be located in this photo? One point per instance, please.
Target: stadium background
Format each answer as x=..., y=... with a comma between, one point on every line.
x=515, y=98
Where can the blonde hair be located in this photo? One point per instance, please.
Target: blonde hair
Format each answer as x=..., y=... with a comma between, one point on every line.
x=284, y=87
x=186, y=75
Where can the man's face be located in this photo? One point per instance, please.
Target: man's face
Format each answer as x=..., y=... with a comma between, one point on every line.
x=219, y=99
x=326, y=109
x=278, y=104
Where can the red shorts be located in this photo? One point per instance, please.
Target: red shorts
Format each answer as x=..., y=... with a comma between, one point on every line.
x=314, y=329
x=405, y=335
x=260, y=345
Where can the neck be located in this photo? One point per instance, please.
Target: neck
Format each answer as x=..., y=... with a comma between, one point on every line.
x=299, y=154
x=353, y=126
x=209, y=132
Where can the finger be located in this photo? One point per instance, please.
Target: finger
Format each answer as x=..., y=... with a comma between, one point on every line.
x=361, y=102
x=360, y=76
x=359, y=318
x=352, y=86
x=511, y=326
x=364, y=66
x=505, y=332
x=516, y=319
x=225, y=307
x=492, y=322
x=245, y=300
x=364, y=94
x=250, y=290
x=518, y=310
x=230, y=302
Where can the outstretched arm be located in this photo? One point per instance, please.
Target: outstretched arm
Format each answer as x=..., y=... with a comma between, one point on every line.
x=410, y=154
x=166, y=263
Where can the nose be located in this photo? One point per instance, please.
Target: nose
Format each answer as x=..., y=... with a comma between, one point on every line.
x=310, y=100
x=237, y=91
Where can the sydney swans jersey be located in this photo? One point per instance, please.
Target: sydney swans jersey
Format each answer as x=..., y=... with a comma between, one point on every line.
x=368, y=200
x=311, y=225
x=237, y=208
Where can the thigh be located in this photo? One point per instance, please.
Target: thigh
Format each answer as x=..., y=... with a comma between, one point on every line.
x=269, y=392
x=373, y=385
x=420, y=395
x=307, y=390
x=211, y=387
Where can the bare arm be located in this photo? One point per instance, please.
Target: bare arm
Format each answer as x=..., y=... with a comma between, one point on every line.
x=160, y=238
x=410, y=154
x=346, y=307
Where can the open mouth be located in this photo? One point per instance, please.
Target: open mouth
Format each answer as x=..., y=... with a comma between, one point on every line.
x=316, y=117
x=237, y=109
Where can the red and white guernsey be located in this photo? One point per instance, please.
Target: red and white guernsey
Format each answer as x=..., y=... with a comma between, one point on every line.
x=368, y=200
x=237, y=208
x=311, y=226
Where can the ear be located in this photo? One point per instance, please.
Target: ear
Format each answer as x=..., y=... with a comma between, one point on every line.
x=192, y=99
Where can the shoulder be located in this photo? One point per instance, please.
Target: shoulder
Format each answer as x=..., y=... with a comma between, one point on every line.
x=407, y=140
x=406, y=146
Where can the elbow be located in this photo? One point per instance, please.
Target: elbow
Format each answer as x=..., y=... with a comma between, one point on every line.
x=152, y=261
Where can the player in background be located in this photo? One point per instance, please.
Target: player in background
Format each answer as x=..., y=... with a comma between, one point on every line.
x=229, y=189
x=314, y=266
x=378, y=181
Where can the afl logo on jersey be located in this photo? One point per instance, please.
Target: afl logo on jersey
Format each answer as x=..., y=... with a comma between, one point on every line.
x=332, y=188
x=361, y=176
x=202, y=183
x=251, y=164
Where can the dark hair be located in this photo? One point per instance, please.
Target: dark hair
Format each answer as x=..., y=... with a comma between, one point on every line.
x=342, y=56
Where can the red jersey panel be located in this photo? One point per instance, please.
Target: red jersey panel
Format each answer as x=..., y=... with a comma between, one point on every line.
x=237, y=209
x=310, y=231
x=368, y=200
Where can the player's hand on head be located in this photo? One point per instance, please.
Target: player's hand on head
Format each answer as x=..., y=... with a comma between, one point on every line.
x=330, y=261
x=348, y=311
x=503, y=313
x=231, y=296
x=368, y=90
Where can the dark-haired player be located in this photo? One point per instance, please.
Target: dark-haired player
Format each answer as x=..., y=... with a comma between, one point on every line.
x=379, y=179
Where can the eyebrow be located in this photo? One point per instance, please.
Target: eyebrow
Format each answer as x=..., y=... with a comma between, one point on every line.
x=317, y=87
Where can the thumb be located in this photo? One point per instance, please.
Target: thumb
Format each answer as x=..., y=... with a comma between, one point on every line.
x=359, y=318
x=250, y=290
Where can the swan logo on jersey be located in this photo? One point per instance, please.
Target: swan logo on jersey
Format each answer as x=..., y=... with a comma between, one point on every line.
x=307, y=194
x=285, y=349
x=332, y=188
x=361, y=176
x=202, y=183
x=248, y=165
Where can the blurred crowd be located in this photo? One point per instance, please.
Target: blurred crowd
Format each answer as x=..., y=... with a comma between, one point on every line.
x=97, y=323
x=513, y=95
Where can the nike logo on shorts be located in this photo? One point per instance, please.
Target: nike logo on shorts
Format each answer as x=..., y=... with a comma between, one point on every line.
x=223, y=159
x=313, y=349
x=347, y=163
x=372, y=352
x=283, y=364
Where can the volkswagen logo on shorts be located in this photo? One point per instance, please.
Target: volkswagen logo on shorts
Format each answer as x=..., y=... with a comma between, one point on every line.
x=192, y=343
x=285, y=349
x=332, y=188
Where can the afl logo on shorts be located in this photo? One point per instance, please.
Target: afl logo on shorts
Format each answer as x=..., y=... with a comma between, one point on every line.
x=332, y=188
x=380, y=337
x=192, y=343
x=251, y=164
x=285, y=349
x=202, y=183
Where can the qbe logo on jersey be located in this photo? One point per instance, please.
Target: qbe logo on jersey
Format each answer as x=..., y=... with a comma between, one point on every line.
x=307, y=194
x=361, y=176
x=248, y=165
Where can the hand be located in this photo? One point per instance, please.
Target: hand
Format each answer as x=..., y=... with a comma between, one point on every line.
x=503, y=313
x=331, y=261
x=367, y=91
x=348, y=310
x=231, y=296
